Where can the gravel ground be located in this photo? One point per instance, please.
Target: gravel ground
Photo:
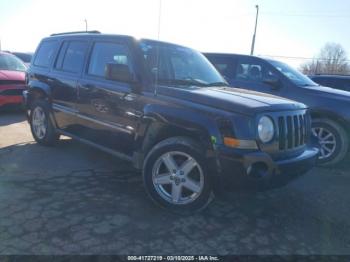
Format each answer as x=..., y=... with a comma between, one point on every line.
x=72, y=199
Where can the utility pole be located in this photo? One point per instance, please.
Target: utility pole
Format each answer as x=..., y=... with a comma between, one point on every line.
x=86, y=25
x=316, y=69
x=159, y=17
x=256, y=23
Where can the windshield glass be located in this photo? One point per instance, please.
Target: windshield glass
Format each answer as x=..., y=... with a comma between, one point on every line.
x=10, y=62
x=179, y=66
x=24, y=57
x=295, y=76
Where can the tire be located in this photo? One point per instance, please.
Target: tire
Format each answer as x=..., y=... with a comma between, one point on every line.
x=333, y=136
x=41, y=126
x=193, y=184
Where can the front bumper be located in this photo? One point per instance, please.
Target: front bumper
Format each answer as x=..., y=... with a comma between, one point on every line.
x=10, y=95
x=242, y=170
x=25, y=104
x=10, y=100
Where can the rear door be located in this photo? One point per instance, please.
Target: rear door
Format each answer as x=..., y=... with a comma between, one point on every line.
x=64, y=77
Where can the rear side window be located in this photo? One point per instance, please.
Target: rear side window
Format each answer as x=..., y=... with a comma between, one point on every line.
x=104, y=53
x=71, y=57
x=46, y=53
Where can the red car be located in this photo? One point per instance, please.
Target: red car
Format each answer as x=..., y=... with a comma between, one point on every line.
x=12, y=79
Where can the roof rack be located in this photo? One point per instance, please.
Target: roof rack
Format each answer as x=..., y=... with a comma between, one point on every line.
x=78, y=32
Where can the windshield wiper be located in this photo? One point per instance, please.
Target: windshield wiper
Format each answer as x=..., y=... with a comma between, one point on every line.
x=183, y=82
x=218, y=84
x=303, y=85
x=192, y=82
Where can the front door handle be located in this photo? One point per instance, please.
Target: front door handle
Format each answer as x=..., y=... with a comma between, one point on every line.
x=87, y=86
x=129, y=97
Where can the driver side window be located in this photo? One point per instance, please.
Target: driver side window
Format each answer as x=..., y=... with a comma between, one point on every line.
x=104, y=53
x=252, y=71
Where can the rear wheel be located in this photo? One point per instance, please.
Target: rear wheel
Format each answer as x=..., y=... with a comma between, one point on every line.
x=175, y=176
x=41, y=126
x=333, y=140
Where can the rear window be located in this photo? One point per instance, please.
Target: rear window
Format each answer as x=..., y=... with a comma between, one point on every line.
x=71, y=57
x=46, y=53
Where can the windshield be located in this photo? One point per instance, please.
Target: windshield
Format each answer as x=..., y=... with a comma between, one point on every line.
x=295, y=76
x=24, y=57
x=179, y=66
x=12, y=63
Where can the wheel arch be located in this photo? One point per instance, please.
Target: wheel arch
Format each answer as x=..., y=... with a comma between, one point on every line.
x=158, y=131
x=38, y=90
x=332, y=116
x=165, y=123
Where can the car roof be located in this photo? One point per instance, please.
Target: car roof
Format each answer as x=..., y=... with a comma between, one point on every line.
x=240, y=55
x=85, y=35
x=22, y=53
x=103, y=36
x=6, y=53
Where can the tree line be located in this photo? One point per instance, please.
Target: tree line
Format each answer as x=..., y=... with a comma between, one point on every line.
x=332, y=59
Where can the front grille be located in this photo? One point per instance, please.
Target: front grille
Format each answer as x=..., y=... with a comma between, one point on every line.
x=11, y=82
x=292, y=131
x=12, y=92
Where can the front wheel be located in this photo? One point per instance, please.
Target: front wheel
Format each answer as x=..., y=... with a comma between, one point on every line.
x=333, y=141
x=175, y=176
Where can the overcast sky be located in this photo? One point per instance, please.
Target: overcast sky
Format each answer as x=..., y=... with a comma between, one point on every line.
x=293, y=28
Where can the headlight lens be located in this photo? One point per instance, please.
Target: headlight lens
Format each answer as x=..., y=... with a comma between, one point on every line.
x=266, y=129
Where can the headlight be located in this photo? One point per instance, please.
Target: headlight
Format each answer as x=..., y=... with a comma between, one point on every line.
x=266, y=129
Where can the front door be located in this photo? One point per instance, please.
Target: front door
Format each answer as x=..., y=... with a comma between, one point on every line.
x=250, y=73
x=107, y=108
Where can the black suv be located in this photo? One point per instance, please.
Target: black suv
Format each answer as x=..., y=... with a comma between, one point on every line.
x=341, y=82
x=166, y=109
x=329, y=108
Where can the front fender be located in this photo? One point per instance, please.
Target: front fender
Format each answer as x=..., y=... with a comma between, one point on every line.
x=183, y=118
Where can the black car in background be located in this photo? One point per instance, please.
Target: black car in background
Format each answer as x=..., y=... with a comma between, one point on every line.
x=341, y=82
x=329, y=108
x=165, y=108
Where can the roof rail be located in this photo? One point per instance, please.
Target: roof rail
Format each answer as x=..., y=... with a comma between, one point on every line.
x=78, y=32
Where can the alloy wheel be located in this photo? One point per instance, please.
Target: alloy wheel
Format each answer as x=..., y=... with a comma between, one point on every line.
x=39, y=122
x=326, y=140
x=177, y=177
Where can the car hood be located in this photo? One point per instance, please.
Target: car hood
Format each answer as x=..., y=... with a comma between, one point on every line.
x=12, y=75
x=329, y=92
x=233, y=99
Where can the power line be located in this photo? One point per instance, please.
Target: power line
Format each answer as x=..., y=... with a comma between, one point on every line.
x=308, y=15
x=302, y=58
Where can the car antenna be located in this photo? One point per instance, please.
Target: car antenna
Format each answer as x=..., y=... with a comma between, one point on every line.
x=157, y=51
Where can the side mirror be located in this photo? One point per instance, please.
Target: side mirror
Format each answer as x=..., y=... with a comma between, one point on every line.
x=273, y=81
x=118, y=72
